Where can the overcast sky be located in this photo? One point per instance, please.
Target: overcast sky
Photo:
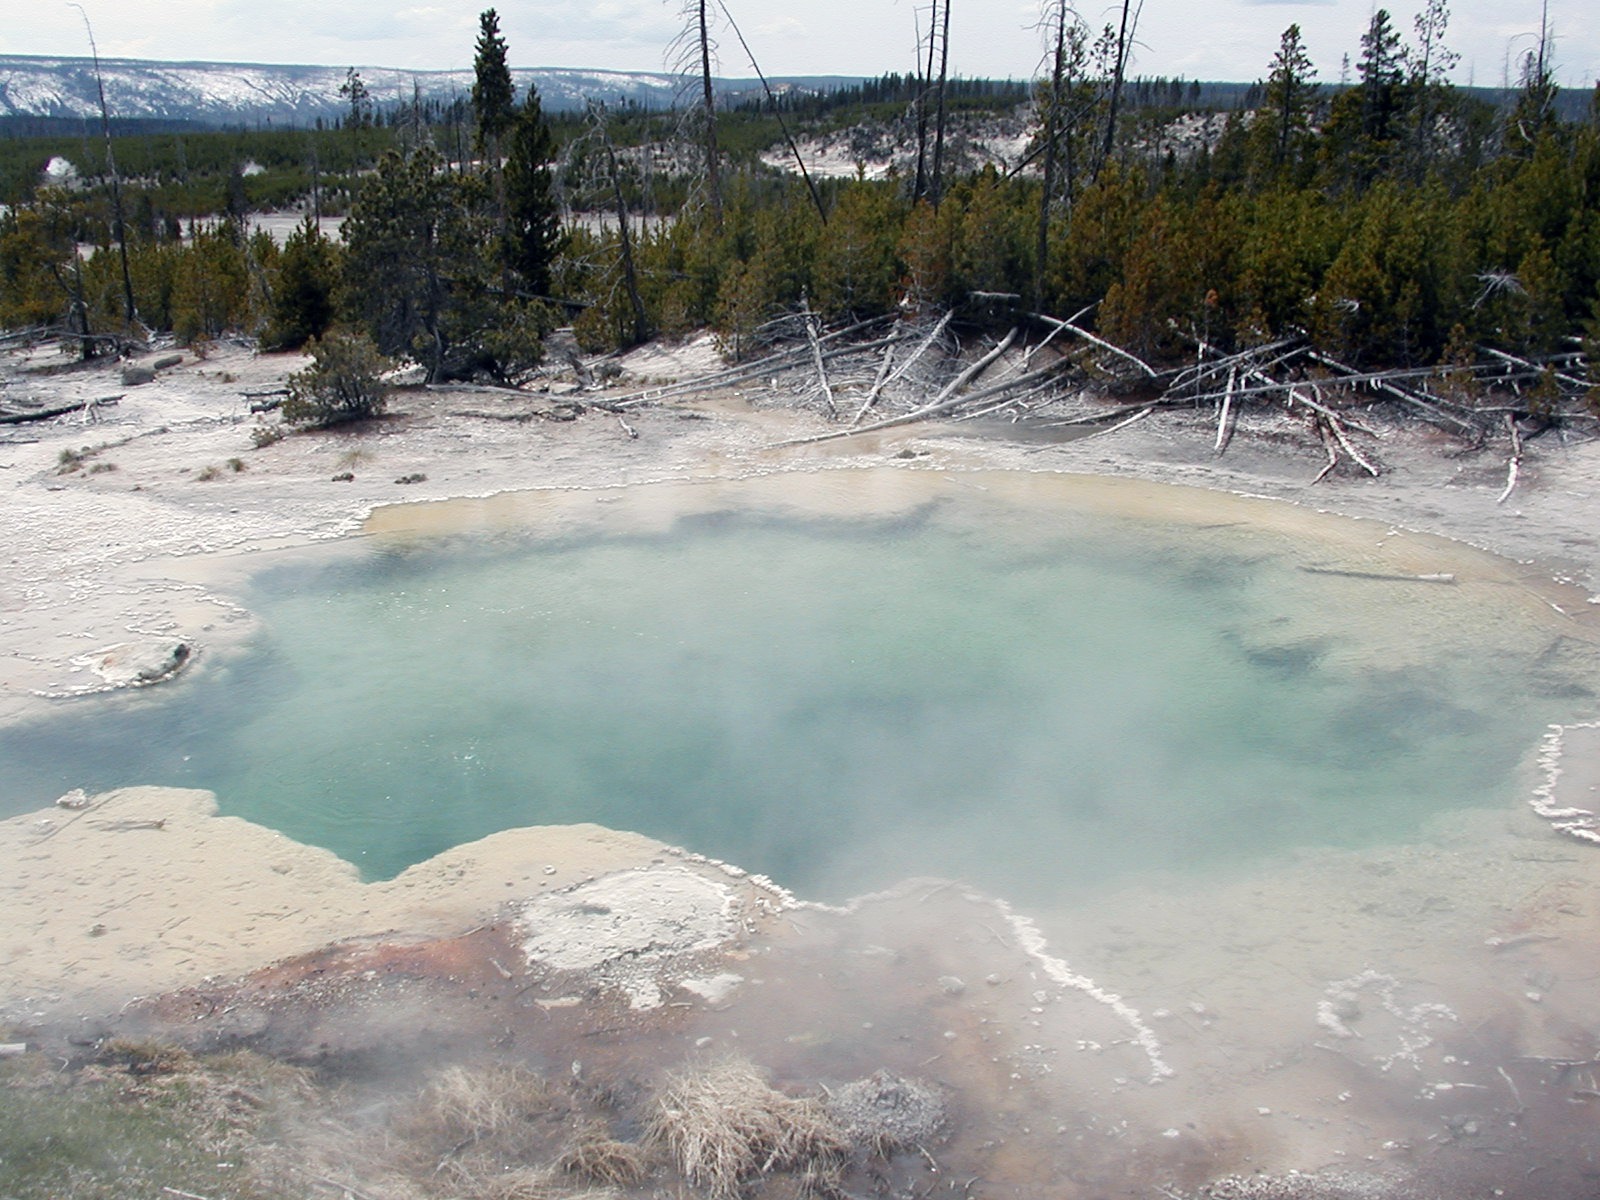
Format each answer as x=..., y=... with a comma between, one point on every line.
x=1197, y=39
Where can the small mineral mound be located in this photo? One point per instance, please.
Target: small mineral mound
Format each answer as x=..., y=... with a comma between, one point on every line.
x=885, y=1113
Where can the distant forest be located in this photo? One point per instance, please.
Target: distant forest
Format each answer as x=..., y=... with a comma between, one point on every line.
x=1393, y=220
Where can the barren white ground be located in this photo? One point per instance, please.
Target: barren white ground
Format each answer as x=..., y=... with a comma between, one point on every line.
x=146, y=550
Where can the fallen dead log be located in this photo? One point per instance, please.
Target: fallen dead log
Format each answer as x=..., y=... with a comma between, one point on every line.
x=1514, y=465
x=1383, y=576
x=1329, y=447
x=745, y=370
x=977, y=368
x=57, y=410
x=816, y=356
x=1224, y=427
x=931, y=410
x=1428, y=408
x=1109, y=347
x=1534, y=369
x=1263, y=358
x=765, y=366
x=922, y=348
x=1330, y=426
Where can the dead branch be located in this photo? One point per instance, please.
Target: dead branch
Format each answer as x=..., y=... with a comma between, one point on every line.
x=816, y=356
x=1337, y=427
x=878, y=383
x=1019, y=383
x=746, y=370
x=1328, y=445
x=1263, y=357
x=56, y=410
x=1224, y=428
x=1534, y=369
x=977, y=368
x=1428, y=408
x=933, y=336
x=1069, y=327
x=1514, y=464
x=1122, y=424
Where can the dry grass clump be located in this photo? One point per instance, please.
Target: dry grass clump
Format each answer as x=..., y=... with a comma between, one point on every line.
x=140, y=1058
x=478, y=1102
x=724, y=1124
x=597, y=1157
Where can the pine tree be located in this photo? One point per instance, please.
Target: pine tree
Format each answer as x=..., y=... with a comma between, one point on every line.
x=1289, y=90
x=302, y=297
x=494, y=95
x=1381, y=70
x=421, y=272
x=533, y=223
x=1430, y=64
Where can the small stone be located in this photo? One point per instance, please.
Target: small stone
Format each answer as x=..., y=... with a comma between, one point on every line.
x=951, y=985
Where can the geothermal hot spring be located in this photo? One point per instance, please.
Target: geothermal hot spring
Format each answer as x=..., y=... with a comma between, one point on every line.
x=1257, y=777
x=1040, y=686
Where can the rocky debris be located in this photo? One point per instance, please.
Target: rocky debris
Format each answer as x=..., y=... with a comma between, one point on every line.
x=886, y=1112
x=1296, y=1185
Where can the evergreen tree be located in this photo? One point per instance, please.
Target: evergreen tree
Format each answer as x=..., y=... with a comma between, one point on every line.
x=1534, y=113
x=33, y=275
x=1430, y=64
x=421, y=272
x=302, y=298
x=494, y=96
x=1382, y=75
x=1288, y=94
x=360, y=100
x=533, y=222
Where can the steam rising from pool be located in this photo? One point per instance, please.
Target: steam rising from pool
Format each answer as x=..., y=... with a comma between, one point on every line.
x=1035, y=703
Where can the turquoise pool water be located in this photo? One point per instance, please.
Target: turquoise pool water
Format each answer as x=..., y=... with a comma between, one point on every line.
x=1035, y=705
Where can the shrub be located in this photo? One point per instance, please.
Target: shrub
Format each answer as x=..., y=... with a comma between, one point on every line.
x=262, y=436
x=343, y=383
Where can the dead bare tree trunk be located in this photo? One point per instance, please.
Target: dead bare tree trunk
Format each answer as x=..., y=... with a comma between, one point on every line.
x=1130, y=22
x=118, y=228
x=816, y=355
x=630, y=276
x=1052, y=130
x=794, y=150
x=924, y=86
x=937, y=182
x=708, y=100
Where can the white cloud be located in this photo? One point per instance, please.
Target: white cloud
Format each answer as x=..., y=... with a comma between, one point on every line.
x=1221, y=39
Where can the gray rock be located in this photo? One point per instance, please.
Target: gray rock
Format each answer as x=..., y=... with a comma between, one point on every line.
x=133, y=375
x=134, y=664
